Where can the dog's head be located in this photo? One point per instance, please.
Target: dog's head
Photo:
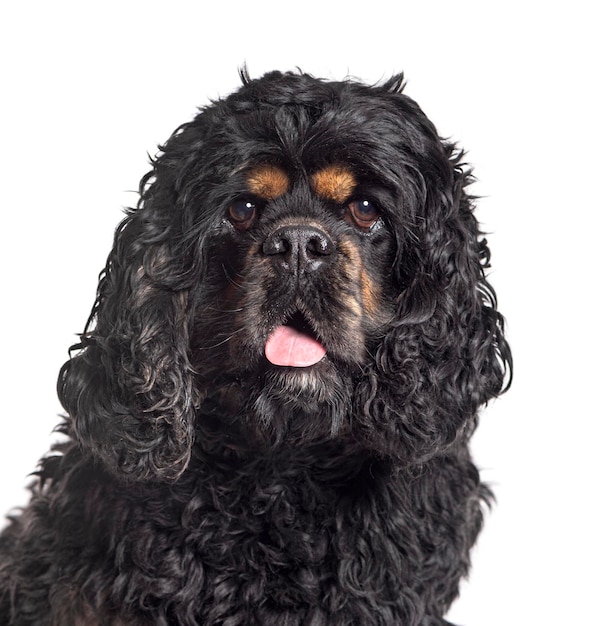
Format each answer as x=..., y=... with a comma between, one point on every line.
x=303, y=264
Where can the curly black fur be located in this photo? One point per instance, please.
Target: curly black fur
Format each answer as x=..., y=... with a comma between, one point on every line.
x=201, y=485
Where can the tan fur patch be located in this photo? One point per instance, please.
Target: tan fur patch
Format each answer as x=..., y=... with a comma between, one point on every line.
x=268, y=182
x=350, y=250
x=369, y=293
x=335, y=183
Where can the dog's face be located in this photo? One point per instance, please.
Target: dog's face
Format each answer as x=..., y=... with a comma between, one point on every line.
x=303, y=265
x=298, y=290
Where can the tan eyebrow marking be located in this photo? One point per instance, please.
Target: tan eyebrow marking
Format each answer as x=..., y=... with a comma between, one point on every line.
x=335, y=182
x=267, y=182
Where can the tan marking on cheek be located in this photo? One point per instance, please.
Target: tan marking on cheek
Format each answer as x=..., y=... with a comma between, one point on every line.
x=370, y=294
x=354, y=306
x=352, y=264
x=352, y=254
x=335, y=183
x=369, y=291
x=268, y=182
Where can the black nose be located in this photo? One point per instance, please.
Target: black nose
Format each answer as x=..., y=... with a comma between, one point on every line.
x=299, y=248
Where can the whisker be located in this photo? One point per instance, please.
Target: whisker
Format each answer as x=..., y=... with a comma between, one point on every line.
x=224, y=340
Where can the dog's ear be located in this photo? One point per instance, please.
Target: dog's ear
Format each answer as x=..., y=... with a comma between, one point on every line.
x=129, y=392
x=445, y=353
x=449, y=293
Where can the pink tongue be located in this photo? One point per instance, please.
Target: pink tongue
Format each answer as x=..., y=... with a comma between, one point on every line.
x=289, y=347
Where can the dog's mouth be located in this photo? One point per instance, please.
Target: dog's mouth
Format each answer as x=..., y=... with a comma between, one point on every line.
x=294, y=343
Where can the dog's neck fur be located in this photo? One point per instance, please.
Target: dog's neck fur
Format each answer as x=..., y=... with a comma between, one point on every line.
x=232, y=444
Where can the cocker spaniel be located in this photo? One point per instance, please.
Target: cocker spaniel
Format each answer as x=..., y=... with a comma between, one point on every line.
x=268, y=414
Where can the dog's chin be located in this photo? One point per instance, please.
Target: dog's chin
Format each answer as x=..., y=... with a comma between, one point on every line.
x=302, y=404
x=292, y=405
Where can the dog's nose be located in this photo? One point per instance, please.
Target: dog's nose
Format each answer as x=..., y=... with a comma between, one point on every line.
x=299, y=248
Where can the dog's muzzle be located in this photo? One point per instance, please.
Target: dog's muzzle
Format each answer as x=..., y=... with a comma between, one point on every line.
x=297, y=250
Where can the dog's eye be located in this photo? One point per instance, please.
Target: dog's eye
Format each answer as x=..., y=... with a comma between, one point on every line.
x=243, y=212
x=363, y=213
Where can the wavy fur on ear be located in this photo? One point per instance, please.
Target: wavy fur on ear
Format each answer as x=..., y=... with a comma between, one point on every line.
x=445, y=353
x=129, y=393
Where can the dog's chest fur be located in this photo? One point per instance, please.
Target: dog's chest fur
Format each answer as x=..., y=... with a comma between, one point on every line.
x=290, y=540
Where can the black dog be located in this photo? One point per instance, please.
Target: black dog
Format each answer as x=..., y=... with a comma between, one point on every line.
x=269, y=415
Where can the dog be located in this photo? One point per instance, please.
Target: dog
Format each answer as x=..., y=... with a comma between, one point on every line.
x=268, y=413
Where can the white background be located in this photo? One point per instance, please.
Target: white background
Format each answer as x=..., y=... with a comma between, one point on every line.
x=87, y=92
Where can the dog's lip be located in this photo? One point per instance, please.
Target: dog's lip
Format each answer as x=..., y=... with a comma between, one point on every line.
x=294, y=344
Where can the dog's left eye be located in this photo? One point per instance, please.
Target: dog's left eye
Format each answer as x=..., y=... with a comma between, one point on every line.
x=363, y=213
x=243, y=212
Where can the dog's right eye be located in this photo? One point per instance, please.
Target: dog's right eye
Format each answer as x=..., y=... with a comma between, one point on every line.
x=242, y=213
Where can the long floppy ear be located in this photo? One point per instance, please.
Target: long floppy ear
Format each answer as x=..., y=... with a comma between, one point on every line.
x=129, y=392
x=445, y=353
